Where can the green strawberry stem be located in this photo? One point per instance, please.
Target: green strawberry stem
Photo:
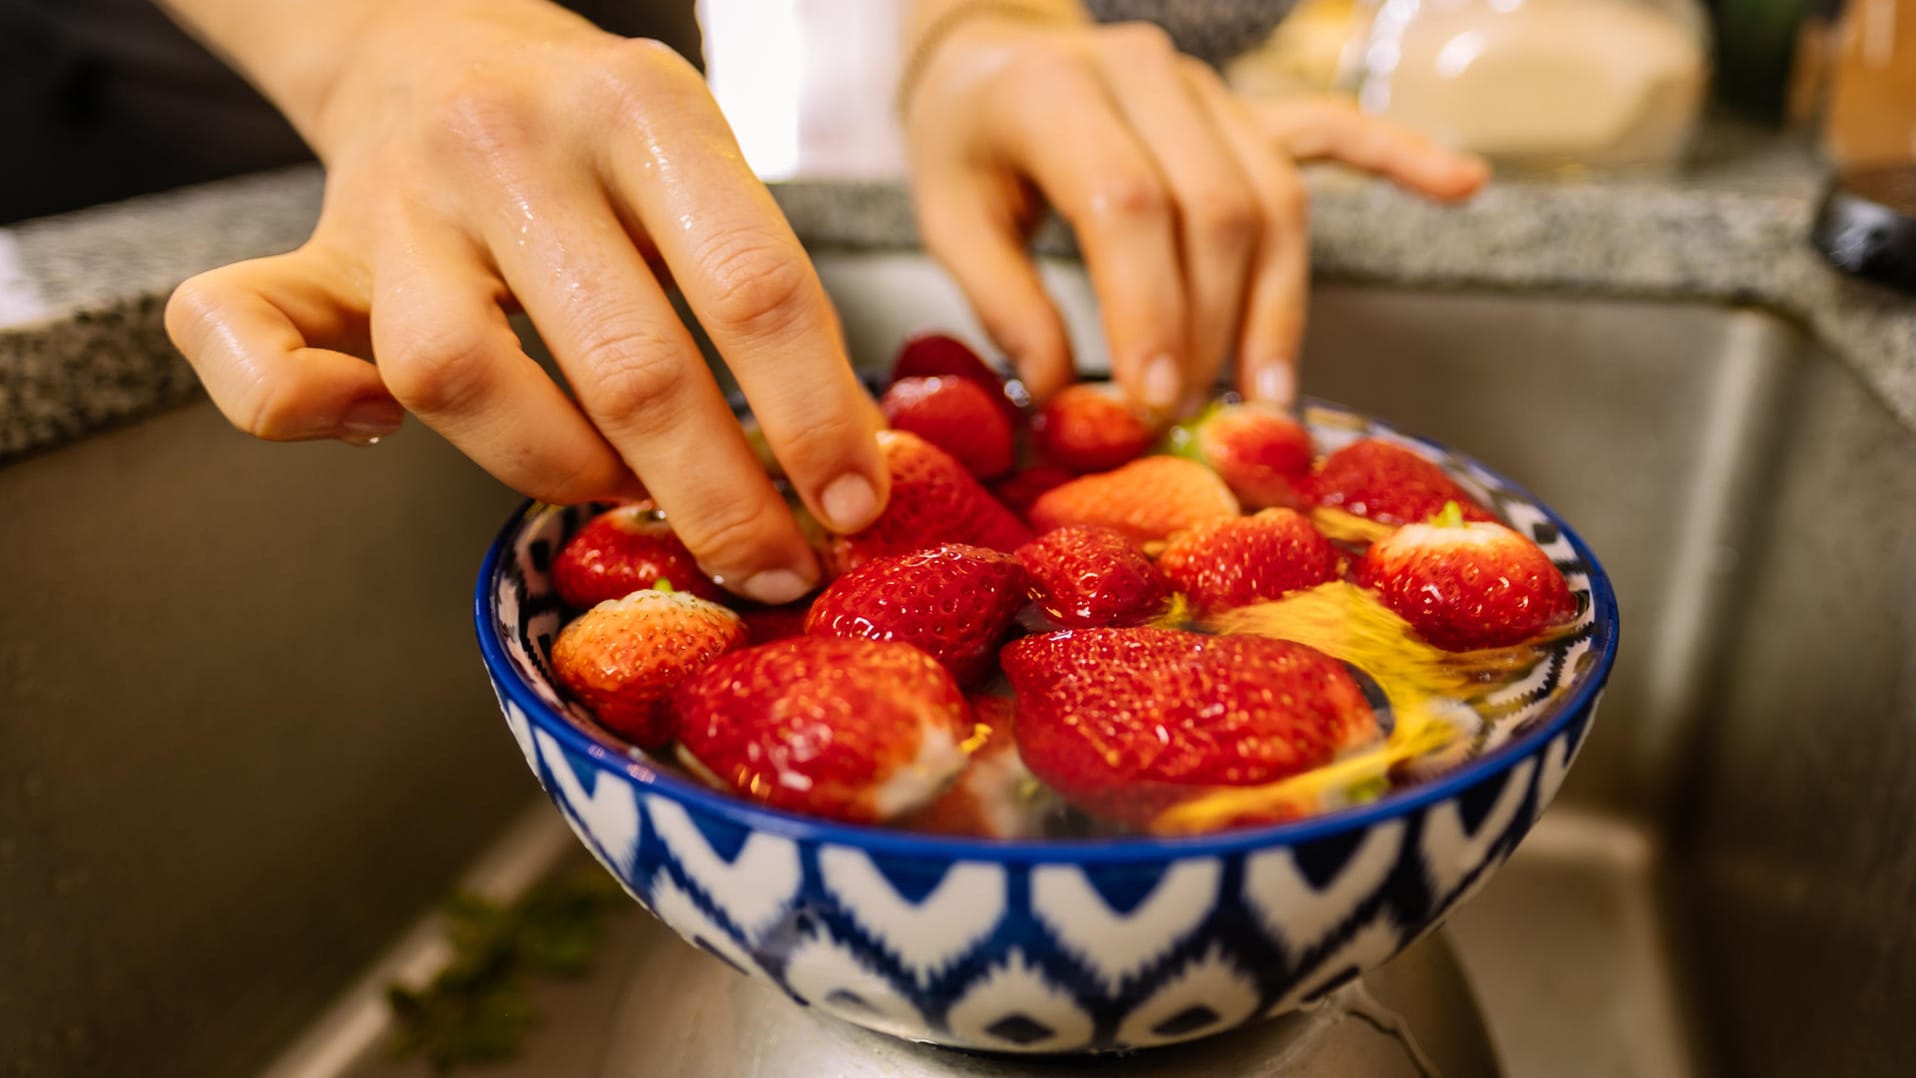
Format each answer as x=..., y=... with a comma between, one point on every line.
x=1450, y=516
x=662, y=584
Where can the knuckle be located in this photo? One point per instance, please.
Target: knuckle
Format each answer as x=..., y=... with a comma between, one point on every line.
x=823, y=442
x=1291, y=202
x=1224, y=213
x=638, y=380
x=643, y=59
x=437, y=372
x=640, y=78
x=475, y=118
x=1130, y=195
x=759, y=289
x=1036, y=61
x=728, y=533
x=1140, y=41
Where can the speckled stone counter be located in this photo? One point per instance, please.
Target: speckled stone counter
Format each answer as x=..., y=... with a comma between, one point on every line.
x=81, y=343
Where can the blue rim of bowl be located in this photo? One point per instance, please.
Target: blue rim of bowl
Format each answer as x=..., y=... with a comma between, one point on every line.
x=1095, y=850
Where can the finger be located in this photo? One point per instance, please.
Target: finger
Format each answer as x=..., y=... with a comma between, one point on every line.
x=746, y=277
x=642, y=381
x=1272, y=331
x=449, y=355
x=1334, y=130
x=976, y=237
x=1091, y=167
x=1218, y=215
x=272, y=341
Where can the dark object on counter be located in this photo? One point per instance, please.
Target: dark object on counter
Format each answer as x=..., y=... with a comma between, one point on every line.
x=1867, y=225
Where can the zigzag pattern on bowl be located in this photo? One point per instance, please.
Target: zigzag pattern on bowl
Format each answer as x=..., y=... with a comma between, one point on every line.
x=1052, y=950
x=1046, y=956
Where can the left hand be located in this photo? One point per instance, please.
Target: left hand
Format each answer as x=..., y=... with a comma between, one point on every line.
x=1184, y=198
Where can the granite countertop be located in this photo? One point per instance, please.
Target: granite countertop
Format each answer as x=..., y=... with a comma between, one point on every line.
x=81, y=296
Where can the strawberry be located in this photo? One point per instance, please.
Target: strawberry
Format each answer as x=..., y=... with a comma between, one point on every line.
x=621, y=551
x=1387, y=483
x=933, y=500
x=1022, y=487
x=854, y=730
x=952, y=601
x=1091, y=427
x=996, y=796
x=764, y=624
x=1146, y=499
x=1238, y=561
x=1083, y=577
x=935, y=355
x=1262, y=453
x=1125, y=723
x=931, y=355
x=1464, y=585
x=955, y=415
x=623, y=657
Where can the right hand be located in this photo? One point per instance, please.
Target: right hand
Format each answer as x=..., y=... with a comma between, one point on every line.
x=487, y=156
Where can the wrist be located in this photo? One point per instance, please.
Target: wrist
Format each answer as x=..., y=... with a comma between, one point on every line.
x=936, y=24
x=322, y=64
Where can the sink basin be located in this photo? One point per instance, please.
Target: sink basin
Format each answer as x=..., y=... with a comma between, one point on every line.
x=1724, y=885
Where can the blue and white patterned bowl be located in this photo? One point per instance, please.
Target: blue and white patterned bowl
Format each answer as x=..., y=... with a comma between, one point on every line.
x=1052, y=946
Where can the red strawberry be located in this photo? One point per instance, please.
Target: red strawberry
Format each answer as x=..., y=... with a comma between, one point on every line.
x=1091, y=427
x=935, y=355
x=1387, y=483
x=996, y=796
x=1125, y=723
x=1022, y=487
x=623, y=657
x=931, y=355
x=933, y=500
x=764, y=624
x=621, y=551
x=954, y=602
x=1085, y=577
x=1467, y=585
x=1243, y=560
x=955, y=415
x=1146, y=499
x=856, y=730
x=1263, y=454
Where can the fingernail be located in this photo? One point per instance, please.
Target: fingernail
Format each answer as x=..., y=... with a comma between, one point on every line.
x=1275, y=384
x=775, y=586
x=1161, y=382
x=849, y=503
x=366, y=422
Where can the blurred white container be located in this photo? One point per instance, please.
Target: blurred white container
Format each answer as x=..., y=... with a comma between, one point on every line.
x=807, y=84
x=1542, y=83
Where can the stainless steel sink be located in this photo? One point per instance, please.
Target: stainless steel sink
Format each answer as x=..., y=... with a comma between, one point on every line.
x=289, y=746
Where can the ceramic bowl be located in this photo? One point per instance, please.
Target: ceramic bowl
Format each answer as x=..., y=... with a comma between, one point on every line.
x=1052, y=946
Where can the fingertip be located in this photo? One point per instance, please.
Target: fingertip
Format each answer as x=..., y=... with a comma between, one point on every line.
x=1454, y=177
x=1043, y=362
x=1160, y=383
x=1272, y=382
x=850, y=503
x=369, y=421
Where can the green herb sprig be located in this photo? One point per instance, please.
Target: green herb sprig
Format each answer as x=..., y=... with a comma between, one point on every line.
x=477, y=1009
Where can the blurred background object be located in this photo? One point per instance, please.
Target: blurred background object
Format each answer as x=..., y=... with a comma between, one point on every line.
x=1870, y=114
x=1544, y=84
x=807, y=84
x=1314, y=50
x=102, y=100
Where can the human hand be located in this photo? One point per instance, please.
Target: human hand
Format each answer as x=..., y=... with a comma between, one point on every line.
x=483, y=157
x=1186, y=204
